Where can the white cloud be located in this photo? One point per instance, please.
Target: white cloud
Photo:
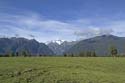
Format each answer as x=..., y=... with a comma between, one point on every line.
x=93, y=31
x=44, y=30
x=118, y=27
x=115, y=27
x=33, y=24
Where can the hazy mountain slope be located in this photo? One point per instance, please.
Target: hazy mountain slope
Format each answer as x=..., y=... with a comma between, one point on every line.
x=100, y=44
x=59, y=49
x=55, y=47
x=21, y=44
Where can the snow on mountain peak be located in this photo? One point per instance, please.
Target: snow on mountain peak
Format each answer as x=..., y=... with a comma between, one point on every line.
x=56, y=41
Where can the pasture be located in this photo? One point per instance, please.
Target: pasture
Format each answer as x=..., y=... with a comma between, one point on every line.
x=62, y=70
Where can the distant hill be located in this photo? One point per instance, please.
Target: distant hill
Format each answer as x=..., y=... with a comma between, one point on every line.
x=100, y=44
x=21, y=44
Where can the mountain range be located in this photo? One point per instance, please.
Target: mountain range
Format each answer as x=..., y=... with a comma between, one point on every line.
x=21, y=44
x=100, y=45
x=61, y=48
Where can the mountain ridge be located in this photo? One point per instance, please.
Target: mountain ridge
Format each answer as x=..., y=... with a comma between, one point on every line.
x=100, y=44
x=19, y=44
x=59, y=49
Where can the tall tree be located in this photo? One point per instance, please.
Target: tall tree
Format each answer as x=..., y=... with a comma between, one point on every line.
x=11, y=54
x=114, y=51
x=82, y=54
x=24, y=53
x=16, y=54
x=65, y=55
x=72, y=55
x=88, y=53
x=93, y=54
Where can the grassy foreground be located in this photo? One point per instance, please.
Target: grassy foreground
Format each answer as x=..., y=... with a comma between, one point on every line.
x=62, y=70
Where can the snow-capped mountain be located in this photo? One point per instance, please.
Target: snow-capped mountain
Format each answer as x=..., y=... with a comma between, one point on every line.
x=59, y=41
x=56, y=41
x=60, y=46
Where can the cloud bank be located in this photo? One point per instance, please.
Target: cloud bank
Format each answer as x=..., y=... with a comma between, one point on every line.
x=34, y=25
x=93, y=31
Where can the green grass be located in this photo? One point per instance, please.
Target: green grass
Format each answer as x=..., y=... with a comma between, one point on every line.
x=62, y=70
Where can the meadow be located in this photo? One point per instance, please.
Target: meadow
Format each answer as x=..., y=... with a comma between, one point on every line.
x=62, y=70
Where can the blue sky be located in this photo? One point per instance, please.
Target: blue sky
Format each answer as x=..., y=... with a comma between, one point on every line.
x=47, y=20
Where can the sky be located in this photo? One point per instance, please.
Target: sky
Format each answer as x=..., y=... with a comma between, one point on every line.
x=46, y=20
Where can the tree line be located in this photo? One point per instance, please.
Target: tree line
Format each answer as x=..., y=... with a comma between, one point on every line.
x=82, y=54
x=25, y=53
x=113, y=53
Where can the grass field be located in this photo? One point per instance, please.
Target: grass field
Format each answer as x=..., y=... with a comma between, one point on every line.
x=62, y=70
